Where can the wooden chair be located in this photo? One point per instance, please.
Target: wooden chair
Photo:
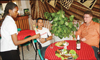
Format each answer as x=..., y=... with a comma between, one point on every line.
x=22, y=22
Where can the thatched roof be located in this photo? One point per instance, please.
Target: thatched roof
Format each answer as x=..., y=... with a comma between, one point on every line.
x=38, y=8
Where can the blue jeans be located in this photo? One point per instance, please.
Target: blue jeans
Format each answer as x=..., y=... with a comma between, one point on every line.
x=43, y=49
x=95, y=51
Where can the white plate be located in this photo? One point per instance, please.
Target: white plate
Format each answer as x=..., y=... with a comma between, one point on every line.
x=66, y=43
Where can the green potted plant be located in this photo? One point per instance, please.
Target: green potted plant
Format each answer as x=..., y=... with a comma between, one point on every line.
x=96, y=20
x=62, y=26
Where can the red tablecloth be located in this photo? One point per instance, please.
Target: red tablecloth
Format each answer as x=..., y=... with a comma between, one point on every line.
x=85, y=53
x=22, y=34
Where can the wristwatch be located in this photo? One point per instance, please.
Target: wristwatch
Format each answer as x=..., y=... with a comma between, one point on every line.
x=45, y=39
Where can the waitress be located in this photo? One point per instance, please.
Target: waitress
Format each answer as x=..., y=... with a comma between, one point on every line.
x=9, y=41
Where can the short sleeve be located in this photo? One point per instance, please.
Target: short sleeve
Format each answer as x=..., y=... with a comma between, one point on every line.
x=37, y=32
x=12, y=28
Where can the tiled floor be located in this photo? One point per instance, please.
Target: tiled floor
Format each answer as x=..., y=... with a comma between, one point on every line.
x=28, y=55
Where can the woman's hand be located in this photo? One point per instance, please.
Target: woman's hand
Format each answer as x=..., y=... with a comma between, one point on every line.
x=18, y=42
x=36, y=36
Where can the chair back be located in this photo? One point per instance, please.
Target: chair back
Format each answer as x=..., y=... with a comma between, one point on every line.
x=27, y=43
x=46, y=23
x=22, y=22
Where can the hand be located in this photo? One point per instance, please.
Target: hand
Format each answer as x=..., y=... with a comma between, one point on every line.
x=42, y=40
x=83, y=39
x=18, y=32
x=36, y=36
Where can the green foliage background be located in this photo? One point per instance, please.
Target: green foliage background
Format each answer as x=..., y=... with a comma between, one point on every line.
x=61, y=26
x=96, y=20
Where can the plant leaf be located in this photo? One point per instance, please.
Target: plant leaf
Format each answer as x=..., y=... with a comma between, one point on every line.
x=77, y=25
x=73, y=36
x=50, y=18
x=53, y=14
x=71, y=17
x=66, y=19
x=66, y=23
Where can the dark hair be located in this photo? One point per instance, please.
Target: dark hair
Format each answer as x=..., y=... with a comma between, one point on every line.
x=88, y=12
x=10, y=5
x=38, y=19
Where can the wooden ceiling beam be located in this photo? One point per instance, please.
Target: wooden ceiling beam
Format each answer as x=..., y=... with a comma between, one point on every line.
x=33, y=3
x=49, y=8
x=36, y=10
x=98, y=2
x=40, y=10
x=32, y=10
x=76, y=11
x=78, y=8
x=43, y=10
x=97, y=6
x=46, y=7
x=95, y=13
x=96, y=9
x=67, y=12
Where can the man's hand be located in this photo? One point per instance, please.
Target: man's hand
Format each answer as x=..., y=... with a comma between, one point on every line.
x=42, y=40
x=83, y=39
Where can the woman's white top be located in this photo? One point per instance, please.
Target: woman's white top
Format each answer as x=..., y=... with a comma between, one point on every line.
x=8, y=28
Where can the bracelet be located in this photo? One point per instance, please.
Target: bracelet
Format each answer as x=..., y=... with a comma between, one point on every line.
x=45, y=39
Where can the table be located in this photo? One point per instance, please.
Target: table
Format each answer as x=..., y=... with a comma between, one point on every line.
x=85, y=53
x=22, y=34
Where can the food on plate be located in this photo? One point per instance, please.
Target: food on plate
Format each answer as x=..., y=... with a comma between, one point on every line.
x=66, y=54
x=61, y=43
x=58, y=51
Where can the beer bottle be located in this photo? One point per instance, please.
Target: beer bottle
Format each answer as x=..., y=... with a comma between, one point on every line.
x=78, y=44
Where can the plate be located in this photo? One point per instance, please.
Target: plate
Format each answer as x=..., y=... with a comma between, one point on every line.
x=66, y=54
x=61, y=44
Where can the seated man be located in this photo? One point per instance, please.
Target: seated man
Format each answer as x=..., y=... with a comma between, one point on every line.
x=45, y=36
x=89, y=32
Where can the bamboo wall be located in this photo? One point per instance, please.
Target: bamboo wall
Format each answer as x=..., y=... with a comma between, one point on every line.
x=22, y=22
x=46, y=23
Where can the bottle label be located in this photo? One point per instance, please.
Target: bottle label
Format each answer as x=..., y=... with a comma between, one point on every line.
x=78, y=46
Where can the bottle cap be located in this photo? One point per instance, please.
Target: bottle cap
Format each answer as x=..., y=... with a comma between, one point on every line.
x=78, y=38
